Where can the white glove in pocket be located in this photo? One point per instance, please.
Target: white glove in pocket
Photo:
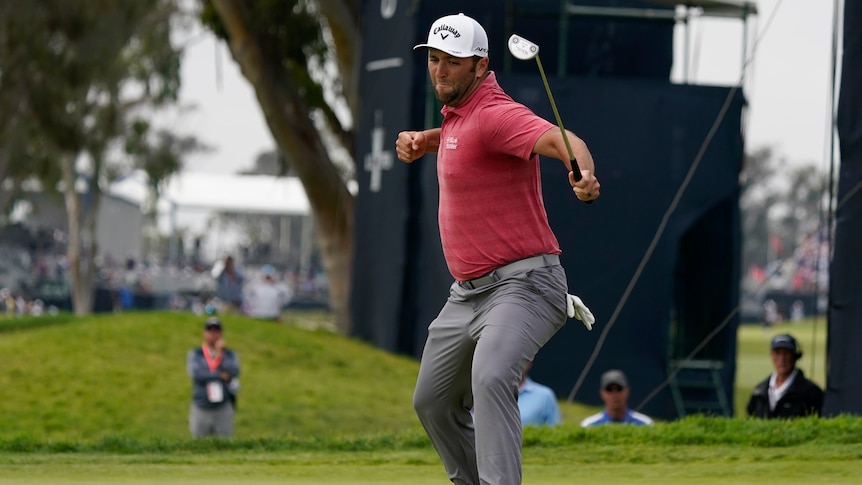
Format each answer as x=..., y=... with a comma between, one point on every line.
x=575, y=308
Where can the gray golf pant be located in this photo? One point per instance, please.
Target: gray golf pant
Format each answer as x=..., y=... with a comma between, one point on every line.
x=211, y=422
x=477, y=348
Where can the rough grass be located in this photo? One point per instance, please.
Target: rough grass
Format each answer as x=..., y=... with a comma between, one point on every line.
x=691, y=431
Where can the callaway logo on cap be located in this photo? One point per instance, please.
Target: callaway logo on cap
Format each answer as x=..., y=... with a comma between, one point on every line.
x=457, y=35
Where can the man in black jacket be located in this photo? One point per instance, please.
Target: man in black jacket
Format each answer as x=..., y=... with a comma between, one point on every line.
x=786, y=393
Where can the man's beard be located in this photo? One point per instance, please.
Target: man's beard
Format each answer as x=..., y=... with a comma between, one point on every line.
x=449, y=97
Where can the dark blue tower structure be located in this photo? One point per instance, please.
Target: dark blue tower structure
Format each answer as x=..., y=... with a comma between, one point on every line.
x=657, y=256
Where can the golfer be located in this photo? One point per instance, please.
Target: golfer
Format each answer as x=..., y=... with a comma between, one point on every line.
x=509, y=294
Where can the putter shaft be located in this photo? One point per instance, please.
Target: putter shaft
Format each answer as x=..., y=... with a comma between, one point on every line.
x=575, y=169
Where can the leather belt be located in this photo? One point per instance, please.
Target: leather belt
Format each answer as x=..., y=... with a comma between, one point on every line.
x=539, y=261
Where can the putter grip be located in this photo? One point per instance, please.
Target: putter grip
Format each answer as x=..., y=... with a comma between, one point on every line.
x=576, y=171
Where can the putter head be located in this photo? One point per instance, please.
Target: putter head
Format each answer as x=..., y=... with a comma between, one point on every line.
x=522, y=48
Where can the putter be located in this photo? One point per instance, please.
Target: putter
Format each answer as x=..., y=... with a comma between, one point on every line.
x=525, y=50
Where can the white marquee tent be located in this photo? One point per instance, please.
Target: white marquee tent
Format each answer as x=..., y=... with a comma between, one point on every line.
x=188, y=199
x=258, y=194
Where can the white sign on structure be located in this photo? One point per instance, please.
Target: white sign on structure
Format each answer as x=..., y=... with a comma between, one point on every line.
x=379, y=159
x=387, y=8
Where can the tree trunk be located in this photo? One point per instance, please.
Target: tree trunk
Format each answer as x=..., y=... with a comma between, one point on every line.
x=81, y=305
x=90, y=245
x=288, y=119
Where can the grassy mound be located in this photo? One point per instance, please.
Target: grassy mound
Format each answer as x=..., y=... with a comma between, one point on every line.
x=70, y=378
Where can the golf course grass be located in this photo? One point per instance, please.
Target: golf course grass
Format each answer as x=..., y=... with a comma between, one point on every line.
x=104, y=399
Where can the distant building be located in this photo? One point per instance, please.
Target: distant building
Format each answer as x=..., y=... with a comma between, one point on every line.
x=119, y=223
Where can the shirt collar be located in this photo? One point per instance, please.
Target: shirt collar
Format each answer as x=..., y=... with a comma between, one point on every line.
x=787, y=382
x=484, y=87
x=623, y=420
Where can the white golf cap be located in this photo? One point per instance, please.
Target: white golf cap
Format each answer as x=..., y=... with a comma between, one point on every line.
x=457, y=35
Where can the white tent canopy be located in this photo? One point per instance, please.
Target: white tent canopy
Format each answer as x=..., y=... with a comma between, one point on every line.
x=258, y=194
x=189, y=199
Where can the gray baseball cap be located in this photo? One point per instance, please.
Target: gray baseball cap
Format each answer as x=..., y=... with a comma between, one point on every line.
x=614, y=376
x=212, y=323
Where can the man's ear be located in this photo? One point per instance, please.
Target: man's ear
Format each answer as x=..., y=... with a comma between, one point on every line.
x=482, y=67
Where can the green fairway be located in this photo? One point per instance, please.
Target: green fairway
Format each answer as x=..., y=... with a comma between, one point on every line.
x=562, y=465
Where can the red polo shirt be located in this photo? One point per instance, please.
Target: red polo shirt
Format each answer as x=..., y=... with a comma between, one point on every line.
x=491, y=207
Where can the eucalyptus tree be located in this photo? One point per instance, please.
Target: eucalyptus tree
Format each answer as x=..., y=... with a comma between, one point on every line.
x=75, y=76
x=23, y=153
x=300, y=56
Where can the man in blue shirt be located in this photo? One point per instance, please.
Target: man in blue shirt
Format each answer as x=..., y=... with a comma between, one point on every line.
x=614, y=391
x=537, y=403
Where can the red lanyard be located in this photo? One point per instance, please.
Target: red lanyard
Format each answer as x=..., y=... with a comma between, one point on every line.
x=212, y=361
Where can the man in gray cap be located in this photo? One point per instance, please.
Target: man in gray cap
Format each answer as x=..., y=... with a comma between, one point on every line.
x=786, y=393
x=614, y=391
x=213, y=369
